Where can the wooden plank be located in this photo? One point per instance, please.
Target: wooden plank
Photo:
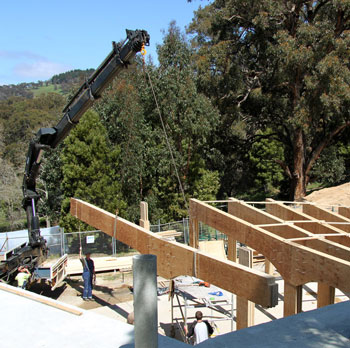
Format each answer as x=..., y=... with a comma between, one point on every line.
x=269, y=269
x=292, y=299
x=325, y=295
x=232, y=249
x=194, y=233
x=245, y=313
x=296, y=263
x=213, y=247
x=44, y=300
x=344, y=211
x=144, y=222
x=174, y=259
x=245, y=308
x=326, y=215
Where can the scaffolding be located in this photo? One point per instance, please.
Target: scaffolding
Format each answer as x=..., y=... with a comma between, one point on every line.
x=193, y=293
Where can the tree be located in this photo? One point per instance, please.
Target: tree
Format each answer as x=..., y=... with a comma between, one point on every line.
x=130, y=113
x=49, y=186
x=264, y=156
x=189, y=120
x=279, y=63
x=89, y=166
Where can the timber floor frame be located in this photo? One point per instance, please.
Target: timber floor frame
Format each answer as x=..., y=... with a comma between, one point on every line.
x=311, y=244
x=306, y=245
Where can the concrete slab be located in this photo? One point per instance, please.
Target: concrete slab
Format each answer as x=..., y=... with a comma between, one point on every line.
x=322, y=328
x=27, y=323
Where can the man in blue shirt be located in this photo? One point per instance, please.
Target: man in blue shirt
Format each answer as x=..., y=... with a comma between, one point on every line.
x=88, y=275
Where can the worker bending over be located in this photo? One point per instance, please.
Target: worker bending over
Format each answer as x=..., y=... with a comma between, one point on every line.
x=22, y=277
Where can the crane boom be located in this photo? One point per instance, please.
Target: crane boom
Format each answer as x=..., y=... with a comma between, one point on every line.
x=49, y=138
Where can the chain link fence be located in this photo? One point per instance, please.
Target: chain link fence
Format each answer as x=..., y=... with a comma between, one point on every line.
x=98, y=242
x=205, y=231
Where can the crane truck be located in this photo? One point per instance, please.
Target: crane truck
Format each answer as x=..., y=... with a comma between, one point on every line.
x=33, y=253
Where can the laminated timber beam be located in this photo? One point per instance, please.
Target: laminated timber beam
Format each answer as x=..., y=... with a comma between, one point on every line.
x=325, y=293
x=297, y=264
x=174, y=259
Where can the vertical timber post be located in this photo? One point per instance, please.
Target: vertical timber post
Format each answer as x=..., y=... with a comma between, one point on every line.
x=292, y=299
x=268, y=267
x=144, y=222
x=145, y=301
x=193, y=228
x=325, y=295
x=245, y=308
x=232, y=243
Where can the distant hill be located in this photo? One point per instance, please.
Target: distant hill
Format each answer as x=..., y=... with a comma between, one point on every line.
x=62, y=83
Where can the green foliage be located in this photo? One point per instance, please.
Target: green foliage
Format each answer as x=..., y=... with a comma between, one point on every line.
x=329, y=170
x=279, y=64
x=49, y=186
x=264, y=156
x=22, y=118
x=89, y=169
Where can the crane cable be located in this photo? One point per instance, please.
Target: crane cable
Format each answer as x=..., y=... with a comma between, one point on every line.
x=143, y=52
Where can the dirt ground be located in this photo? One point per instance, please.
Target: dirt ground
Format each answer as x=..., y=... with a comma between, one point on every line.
x=110, y=289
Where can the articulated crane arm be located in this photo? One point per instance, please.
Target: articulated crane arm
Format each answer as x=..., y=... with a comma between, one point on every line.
x=36, y=250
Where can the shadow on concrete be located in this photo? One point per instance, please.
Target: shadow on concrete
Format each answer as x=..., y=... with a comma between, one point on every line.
x=280, y=296
x=262, y=310
x=117, y=309
x=310, y=291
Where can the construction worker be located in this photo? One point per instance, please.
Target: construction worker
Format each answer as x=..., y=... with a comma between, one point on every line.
x=88, y=275
x=200, y=328
x=22, y=277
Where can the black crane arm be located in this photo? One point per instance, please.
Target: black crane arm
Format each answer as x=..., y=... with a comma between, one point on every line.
x=49, y=138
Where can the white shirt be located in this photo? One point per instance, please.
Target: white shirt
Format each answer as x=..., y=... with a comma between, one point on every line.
x=201, y=332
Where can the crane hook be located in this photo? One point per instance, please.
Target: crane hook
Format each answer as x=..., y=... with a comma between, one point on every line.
x=143, y=50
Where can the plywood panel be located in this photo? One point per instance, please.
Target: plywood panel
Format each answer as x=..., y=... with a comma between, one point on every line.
x=175, y=259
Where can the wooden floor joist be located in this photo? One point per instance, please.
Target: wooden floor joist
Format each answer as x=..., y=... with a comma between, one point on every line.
x=174, y=259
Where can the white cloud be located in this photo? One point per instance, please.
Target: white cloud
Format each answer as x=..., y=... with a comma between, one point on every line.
x=27, y=65
x=20, y=55
x=41, y=69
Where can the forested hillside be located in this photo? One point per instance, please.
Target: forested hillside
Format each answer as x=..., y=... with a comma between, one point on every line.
x=255, y=104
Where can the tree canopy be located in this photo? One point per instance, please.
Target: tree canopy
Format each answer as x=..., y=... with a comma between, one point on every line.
x=284, y=64
x=252, y=103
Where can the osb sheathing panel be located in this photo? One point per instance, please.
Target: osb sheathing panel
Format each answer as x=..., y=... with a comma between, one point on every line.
x=175, y=259
x=296, y=263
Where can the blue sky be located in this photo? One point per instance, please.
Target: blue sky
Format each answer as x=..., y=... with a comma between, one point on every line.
x=41, y=38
